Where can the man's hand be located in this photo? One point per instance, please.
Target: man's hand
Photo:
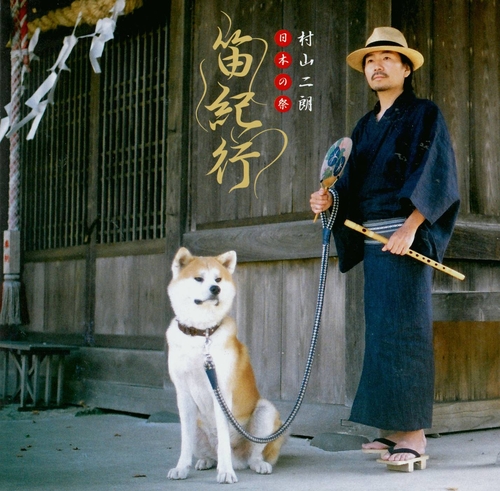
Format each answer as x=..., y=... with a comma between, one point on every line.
x=320, y=201
x=402, y=239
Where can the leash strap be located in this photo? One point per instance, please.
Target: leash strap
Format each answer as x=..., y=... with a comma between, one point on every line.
x=327, y=223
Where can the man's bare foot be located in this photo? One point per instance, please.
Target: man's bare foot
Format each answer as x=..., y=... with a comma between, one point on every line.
x=384, y=443
x=412, y=439
x=379, y=445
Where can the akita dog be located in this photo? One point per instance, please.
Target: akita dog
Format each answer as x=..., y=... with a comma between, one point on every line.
x=201, y=293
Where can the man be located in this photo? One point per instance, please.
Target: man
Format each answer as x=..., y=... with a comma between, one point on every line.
x=401, y=182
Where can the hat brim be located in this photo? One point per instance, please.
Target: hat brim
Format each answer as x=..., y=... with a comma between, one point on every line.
x=355, y=59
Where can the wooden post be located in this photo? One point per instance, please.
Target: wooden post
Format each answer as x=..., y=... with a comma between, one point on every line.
x=24, y=378
x=5, y=375
x=60, y=379
x=48, y=381
x=37, y=359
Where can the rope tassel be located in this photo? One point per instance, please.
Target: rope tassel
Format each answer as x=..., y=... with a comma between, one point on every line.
x=11, y=301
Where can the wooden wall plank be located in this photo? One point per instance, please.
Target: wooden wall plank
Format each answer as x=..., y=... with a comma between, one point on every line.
x=485, y=101
x=378, y=14
x=480, y=276
x=130, y=295
x=258, y=306
x=64, y=284
x=332, y=343
x=327, y=382
x=451, y=56
x=354, y=330
x=452, y=369
x=55, y=296
x=467, y=360
x=323, y=83
x=262, y=20
x=34, y=281
x=415, y=20
x=359, y=100
x=485, y=356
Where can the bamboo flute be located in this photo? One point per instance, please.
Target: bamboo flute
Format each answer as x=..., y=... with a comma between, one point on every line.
x=413, y=254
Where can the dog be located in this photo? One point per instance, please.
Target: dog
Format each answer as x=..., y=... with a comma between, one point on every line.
x=201, y=293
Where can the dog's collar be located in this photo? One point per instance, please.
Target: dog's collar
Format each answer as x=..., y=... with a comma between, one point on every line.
x=193, y=331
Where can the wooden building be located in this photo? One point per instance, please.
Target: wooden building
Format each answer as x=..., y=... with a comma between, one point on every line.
x=178, y=142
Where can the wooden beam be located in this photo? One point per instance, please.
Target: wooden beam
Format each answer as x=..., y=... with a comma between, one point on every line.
x=293, y=240
x=465, y=415
x=476, y=240
x=116, y=249
x=466, y=306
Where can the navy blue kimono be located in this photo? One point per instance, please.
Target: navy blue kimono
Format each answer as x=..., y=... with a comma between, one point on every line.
x=402, y=162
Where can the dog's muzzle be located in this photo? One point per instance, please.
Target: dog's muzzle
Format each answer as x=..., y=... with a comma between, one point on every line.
x=214, y=290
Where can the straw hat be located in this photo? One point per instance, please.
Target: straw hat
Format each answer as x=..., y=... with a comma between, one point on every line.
x=385, y=39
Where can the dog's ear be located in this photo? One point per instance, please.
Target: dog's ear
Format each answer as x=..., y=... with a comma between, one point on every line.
x=228, y=260
x=181, y=260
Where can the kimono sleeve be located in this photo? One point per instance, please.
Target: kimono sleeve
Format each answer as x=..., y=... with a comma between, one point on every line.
x=432, y=185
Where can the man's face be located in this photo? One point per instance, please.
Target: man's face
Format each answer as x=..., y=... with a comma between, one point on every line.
x=384, y=71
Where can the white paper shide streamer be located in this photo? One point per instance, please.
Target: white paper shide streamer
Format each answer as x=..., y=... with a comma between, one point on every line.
x=104, y=32
x=44, y=95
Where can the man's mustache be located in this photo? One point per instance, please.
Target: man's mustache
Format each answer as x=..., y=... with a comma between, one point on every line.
x=383, y=74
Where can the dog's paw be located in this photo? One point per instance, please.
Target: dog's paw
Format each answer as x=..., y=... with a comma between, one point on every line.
x=178, y=473
x=226, y=478
x=204, y=464
x=261, y=467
